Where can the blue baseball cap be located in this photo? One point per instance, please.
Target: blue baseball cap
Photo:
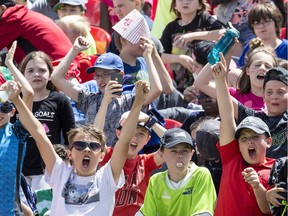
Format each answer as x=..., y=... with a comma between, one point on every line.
x=108, y=61
x=70, y=2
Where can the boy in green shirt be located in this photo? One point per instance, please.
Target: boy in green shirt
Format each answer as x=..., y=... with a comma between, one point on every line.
x=185, y=188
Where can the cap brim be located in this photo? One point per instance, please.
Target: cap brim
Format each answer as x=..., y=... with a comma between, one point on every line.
x=255, y=129
x=58, y=5
x=92, y=69
x=176, y=142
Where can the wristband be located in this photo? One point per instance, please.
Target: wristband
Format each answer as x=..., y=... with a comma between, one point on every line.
x=152, y=120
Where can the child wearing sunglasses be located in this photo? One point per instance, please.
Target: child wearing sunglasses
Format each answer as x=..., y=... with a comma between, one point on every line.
x=80, y=189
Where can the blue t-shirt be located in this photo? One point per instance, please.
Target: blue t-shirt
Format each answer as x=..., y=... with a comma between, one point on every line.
x=281, y=52
x=12, y=151
x=135, y=73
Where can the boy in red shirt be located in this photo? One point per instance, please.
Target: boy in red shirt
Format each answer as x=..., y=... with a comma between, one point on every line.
x=242, y=149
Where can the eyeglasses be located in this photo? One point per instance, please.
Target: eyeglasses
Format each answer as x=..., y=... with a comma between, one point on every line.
x=6, y=107
x=263, y=23
x=81, y=145
x=103, y=76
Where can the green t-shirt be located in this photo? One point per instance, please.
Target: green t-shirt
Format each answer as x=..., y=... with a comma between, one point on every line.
x=194, y=194
x=44, y=200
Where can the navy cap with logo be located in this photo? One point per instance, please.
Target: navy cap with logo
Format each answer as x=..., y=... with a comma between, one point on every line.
x=108, y=61
x=70, y=2
x=252, y=123
x=201, y=51
x=176, y=136
x=276, y=73
x=207, y=137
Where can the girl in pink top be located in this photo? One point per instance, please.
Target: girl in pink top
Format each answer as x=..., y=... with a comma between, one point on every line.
x=250, y=82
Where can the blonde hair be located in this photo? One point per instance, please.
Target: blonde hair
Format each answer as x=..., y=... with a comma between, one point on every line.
x=79, y=25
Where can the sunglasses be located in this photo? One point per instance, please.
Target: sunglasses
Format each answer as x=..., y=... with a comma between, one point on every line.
x=6, y=107
x=81, y=145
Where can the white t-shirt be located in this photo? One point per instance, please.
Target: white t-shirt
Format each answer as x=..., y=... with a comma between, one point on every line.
x=78, y=195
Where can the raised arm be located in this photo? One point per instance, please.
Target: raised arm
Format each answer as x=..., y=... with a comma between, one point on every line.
x=60, y=72
x=225, y=104
x=27, y=90
x=32, y=125
x=163, y=74
x=155, y=83
x=120, y=152
x=99, y=120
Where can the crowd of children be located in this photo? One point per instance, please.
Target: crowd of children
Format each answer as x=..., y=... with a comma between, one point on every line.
x=226, y=154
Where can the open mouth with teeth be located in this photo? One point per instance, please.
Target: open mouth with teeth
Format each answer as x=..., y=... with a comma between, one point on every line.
x=252, y=152
x=133, y=146
x=85, y=162
x=260, y=76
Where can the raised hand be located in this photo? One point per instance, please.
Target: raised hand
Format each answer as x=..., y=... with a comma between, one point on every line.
x=12, y=88
x=112, y=87
x=273, y=196
x=147, y=46
x=81, y=43
x=10, y=54
x=219, y=70
x=142, y=90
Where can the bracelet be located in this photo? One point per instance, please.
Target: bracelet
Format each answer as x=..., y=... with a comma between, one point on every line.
x=151, y=121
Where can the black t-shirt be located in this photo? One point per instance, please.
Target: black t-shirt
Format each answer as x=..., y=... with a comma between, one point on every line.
x=202, y=22
x=56, y=115
x=277, y=126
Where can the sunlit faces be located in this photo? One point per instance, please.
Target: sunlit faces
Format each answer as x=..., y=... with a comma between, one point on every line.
x=66, y=10
x=139, y=140
x=85, y=161
x=187, y=6
x=260, y=64
x=102, y=77
x=37, y=73
x=265, y=29
x=123, y=7
x=275, y=97
x=177, y=157
x=253, y=146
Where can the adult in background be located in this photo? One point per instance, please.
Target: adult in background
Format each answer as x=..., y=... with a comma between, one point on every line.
x=33, y=32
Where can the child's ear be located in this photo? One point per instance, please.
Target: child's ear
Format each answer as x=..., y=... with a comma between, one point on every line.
x=101, y=156
x=69, y=153
x=148, y=138
x=118, y=133
x=269, y=142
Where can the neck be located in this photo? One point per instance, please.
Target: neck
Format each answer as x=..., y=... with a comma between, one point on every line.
x=272, y=42
x=176, y=177
x=257, y=91
x=128, y=59
x=186, y=19
x=41, y=95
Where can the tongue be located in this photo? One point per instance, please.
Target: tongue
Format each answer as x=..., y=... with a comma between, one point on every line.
x=85, y=163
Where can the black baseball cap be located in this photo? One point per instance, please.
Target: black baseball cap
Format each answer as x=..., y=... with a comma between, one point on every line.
x=201, y=51
x=207, y=137
x=276, y=73
x=253, y=123
x=7, y=3
x=176, y=136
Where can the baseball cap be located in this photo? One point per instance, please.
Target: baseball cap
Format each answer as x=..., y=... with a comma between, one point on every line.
x=7, y=2
x=175, y=136
x=201, y=51
x=108, y=61
x=207, y=137
x=252, y=123
x=276, y=73
x=140, y=124
x=70, y=2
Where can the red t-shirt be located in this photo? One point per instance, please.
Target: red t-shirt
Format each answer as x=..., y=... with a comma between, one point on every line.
x=33, y=31
x=130, y=197
x=236, y=197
